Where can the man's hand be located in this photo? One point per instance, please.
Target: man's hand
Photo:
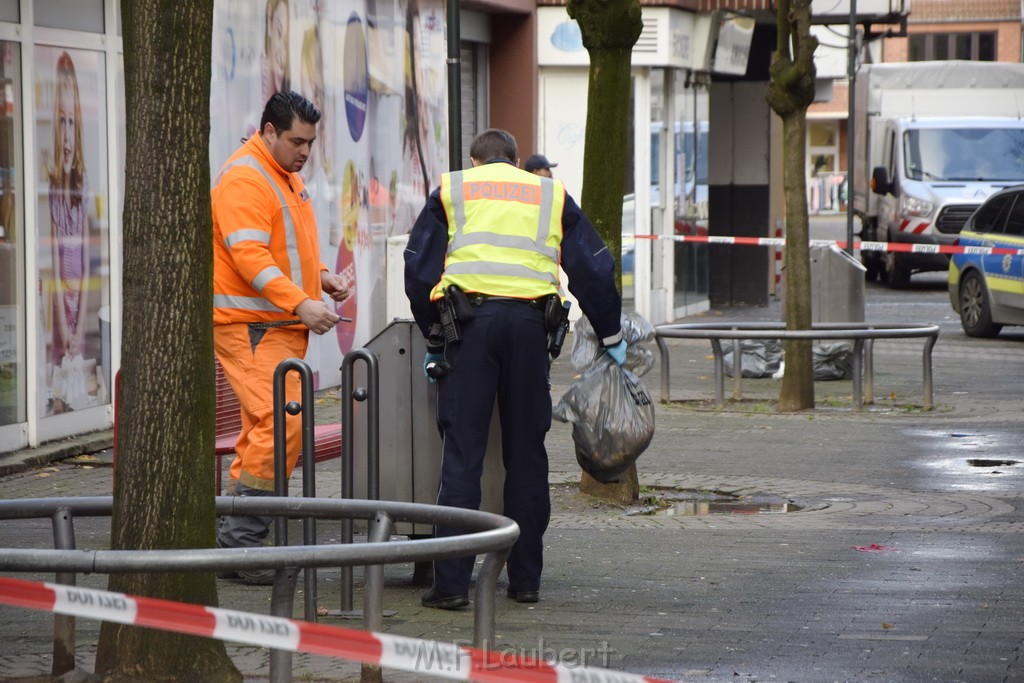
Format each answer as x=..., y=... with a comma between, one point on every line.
x=333, y=285
x=316, y=316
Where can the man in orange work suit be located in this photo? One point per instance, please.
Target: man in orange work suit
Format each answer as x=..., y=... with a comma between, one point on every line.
x=268, y=283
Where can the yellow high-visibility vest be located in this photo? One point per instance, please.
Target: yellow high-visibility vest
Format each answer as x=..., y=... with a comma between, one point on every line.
x=504, y=232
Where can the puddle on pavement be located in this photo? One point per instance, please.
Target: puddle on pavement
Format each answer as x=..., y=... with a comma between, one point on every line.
x=693, y=503
x=991, y=462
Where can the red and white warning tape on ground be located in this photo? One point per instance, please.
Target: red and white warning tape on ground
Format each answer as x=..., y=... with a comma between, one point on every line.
x=861, y=246
x=446, y=660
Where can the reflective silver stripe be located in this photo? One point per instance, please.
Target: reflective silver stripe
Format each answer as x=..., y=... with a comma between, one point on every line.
x=249, y=303
x=264, y=276
x=291, y=243
x=547, y=200
x=504, y=241
x=501, y=269
x=247, y=235
x=459, y=207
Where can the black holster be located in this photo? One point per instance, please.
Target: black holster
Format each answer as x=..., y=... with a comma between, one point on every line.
x=556, y=322
x=455, y=310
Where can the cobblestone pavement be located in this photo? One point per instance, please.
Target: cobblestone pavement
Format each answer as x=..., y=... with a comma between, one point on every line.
x=903, y=563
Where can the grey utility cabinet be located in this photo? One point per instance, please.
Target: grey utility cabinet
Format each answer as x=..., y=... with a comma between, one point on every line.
x=410, y=445
x=837, y=286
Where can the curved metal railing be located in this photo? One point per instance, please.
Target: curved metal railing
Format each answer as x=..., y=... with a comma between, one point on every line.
x=488, y=534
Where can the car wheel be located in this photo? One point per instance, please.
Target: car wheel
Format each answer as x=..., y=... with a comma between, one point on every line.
x=975, y=312
x=897, y=274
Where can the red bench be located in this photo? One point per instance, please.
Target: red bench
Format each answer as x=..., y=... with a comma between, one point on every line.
x=228, y=423
x=326, y=439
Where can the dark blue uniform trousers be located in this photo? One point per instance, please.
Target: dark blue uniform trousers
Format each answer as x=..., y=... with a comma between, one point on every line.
x=503, y=354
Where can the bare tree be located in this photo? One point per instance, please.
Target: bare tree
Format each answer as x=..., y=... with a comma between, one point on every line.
x=163, y=491
x=610, y=29
x=790, y=92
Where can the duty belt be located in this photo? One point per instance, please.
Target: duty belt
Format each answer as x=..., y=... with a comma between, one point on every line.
x=477, y=299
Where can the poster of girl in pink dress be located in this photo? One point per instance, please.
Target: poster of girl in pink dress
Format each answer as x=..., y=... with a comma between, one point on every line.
x=70, y=295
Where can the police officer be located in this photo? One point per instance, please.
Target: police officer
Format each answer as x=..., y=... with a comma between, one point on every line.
x=491, y=239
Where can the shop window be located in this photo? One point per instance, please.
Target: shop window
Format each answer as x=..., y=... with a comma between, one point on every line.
x=80, y=15
x=12, y=249
x=9, y=11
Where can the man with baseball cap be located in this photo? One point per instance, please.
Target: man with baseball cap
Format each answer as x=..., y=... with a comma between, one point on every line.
x=538, y=164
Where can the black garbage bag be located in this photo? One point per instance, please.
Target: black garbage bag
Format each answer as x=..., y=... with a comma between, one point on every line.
x=832, y=361
x=610, y=409
x=758, y=357
x=612, y=418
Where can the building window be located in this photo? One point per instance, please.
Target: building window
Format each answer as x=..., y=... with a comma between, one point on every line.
x=12, y=275
x=978, y=47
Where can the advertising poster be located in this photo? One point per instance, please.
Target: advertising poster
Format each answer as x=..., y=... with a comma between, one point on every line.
x=73, y=233
x=376, y=69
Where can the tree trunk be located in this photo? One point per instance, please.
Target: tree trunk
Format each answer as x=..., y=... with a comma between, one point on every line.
x=790, y=92
x=609, y=29
x=163, y=491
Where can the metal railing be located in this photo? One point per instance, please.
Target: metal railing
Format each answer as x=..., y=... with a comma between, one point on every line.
x=489, y=534
x=862, y=335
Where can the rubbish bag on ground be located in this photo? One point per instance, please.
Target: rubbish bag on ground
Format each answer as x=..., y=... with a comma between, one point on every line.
x=758, y=357
x=832, y=361
x=610, y=409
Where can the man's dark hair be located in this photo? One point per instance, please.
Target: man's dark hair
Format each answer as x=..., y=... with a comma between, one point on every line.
x=494, y=143
x=283, y=108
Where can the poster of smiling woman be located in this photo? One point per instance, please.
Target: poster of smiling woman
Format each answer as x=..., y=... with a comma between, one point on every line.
x=72, y=228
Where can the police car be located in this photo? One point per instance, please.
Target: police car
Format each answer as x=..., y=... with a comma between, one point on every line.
x=987, y=289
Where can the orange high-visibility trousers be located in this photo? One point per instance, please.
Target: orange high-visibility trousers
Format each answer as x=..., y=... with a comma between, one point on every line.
x=251, y=374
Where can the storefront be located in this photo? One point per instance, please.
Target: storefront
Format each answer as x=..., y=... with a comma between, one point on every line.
x=61, y=160
x=669, y=131
x=376, y=68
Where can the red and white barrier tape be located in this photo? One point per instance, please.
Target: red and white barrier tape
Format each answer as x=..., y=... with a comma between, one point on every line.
x=777, y=256
x=862, y=246
x=445, y=660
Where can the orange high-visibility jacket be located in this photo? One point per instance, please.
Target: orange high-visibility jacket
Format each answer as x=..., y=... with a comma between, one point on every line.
x=266, y=258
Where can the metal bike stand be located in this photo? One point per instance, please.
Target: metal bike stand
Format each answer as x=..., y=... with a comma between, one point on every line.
x=282, y=601
x=371, y=396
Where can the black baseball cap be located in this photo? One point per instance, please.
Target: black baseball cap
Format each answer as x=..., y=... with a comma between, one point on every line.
x=538, y=161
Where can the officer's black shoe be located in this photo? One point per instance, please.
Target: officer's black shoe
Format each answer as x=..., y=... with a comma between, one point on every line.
x=438, y=600
x=523, y=596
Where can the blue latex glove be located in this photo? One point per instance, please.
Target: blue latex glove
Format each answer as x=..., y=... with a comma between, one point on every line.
x=617, y=352
x=431, y=357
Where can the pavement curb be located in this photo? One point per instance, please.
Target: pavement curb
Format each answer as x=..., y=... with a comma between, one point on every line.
x=32, y=458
